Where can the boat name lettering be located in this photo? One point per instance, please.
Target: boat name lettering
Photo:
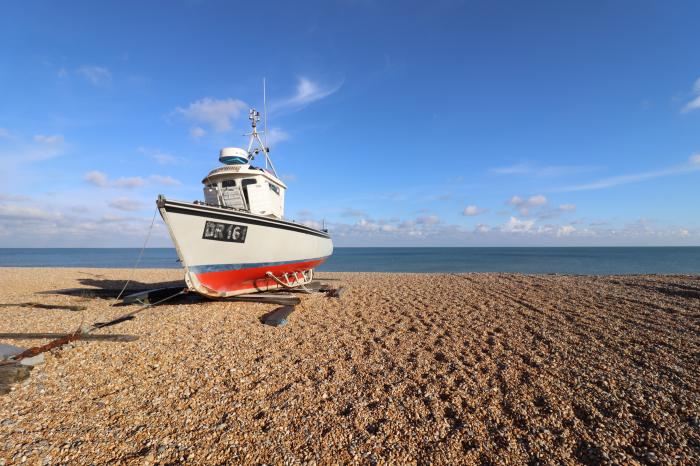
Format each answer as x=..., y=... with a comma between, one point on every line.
x=224, y=232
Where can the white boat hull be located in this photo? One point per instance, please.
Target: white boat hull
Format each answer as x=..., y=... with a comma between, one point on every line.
x=227, y=252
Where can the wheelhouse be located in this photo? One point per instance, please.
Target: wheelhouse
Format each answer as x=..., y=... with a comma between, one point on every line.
x=239, y=185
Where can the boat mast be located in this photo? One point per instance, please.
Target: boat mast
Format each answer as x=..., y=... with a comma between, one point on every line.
x=254, y=117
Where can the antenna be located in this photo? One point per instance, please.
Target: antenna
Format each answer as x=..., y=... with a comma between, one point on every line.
x=254, y=117
x=265, y=147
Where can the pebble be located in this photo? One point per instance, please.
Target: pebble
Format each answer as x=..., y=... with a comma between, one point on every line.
x=406, y=368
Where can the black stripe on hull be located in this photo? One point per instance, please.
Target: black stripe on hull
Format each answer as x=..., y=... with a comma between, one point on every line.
x=197, y=211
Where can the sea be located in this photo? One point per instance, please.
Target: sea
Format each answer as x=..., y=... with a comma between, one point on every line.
x=529, y=260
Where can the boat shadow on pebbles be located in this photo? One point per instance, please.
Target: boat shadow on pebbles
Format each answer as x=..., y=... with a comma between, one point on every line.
x=175, y=292
x=110, y=289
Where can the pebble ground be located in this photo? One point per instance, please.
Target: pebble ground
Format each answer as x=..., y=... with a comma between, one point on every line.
x=404, y=368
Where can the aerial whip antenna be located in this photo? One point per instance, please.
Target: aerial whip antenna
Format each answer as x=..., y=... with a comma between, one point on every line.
x=265, y=146
x=254, y=117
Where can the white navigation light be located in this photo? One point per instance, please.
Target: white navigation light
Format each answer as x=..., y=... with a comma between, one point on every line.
x=233, y=156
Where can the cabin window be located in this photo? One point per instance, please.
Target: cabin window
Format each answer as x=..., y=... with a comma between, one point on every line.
x=274, y=188
x=228, y=183
x=245, y=182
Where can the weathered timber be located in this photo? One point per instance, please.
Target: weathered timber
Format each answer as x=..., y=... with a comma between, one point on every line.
x=315, y=285
x=45, y=306
x=11, y=373
x=278, y=317
x=285, y=299
x=336, y=292
x=90, y=337
x=8, y=351
x=31, y=352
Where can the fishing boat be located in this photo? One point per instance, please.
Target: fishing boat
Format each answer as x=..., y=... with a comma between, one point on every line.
x=237, y=240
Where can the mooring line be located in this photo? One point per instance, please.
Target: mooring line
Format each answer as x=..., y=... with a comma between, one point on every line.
x=138, y=260
x=82, y=330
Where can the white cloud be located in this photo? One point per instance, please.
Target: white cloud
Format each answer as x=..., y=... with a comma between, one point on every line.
x=517, y=169
x=565, y=230
x=217, y=113
x=14, y=197
x=96, y=178
x=126, y=204
x=694, y=104
x=46, y=147
x=197, y=132
x=385, y=229
x=545, y=213
x=482, y=228
x=99, y=179
x=515, y=225
x=289, y=177
x=128, y=182
x=49, y=140
x=164, y=180
x=472, y=210
x=350, y=212
x=524, y=206
x=15, y=212
x=567, y=207
x=16, y=150
x=306, y=93
x=312, y=224
x=79, y=209
x=440, y=197
x=66, y=226
x=537, y=200
x=692, y=165
x=541, y=171
x=275, y=135
x=63, y=226
x=160, y=157
x=97, y=75
x=428, y=220
x=366, y=225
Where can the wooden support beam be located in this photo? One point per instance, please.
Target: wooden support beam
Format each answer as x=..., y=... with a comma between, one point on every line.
x=337, y=292
x=45, y=306
x=12, y=373
x=285, y=299
x=87, y=336
x=277, y=317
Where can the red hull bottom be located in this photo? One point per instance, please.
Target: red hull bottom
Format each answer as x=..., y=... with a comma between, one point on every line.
x=251, y=280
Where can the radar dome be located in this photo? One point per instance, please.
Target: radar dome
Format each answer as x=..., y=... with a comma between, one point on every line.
x=233, y=156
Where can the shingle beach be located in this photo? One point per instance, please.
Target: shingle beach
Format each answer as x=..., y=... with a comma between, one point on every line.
x=403, y=368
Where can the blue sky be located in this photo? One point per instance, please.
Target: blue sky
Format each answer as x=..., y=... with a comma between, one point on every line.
x=441, y=123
